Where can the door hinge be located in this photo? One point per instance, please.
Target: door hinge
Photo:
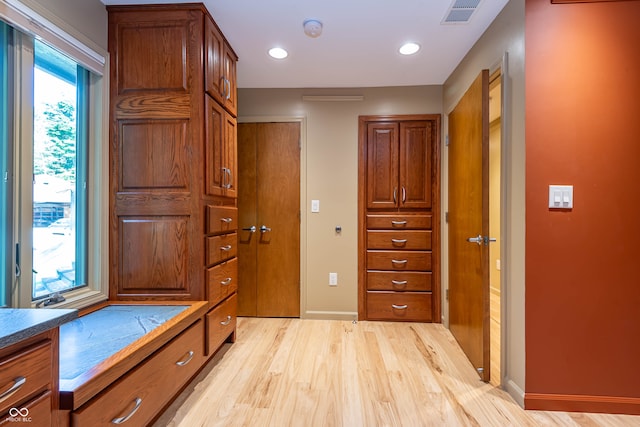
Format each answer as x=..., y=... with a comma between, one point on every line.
x=446, y=294
x=446, y=140
x=446, y=217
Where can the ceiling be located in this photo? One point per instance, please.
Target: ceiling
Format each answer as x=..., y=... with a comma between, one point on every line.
x=358, y=46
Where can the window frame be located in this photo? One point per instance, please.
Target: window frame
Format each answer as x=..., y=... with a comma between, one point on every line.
x=29, y=25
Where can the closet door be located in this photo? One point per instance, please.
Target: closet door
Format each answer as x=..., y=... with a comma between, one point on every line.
x=269, y=216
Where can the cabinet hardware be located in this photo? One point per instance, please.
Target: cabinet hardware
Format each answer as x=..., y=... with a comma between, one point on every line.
x=187, y=360
x=17, y=383
x=394, y=223
x=399, y=241
x=399, y=282
x=226, y=322
x=404, y=195
x=395, y=192
x=226, y=220
x=226, y=282
x=124, y=419
x=226, y=248
x=399, y=261
x=400, y=307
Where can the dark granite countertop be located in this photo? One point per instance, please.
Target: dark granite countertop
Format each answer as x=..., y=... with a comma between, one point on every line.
x=90, y=339
x=17, y=324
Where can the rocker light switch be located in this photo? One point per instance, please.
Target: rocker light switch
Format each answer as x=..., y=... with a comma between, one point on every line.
x=315, y=206
x=561, y=197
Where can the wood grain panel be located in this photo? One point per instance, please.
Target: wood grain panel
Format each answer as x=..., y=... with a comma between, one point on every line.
x=221, y=248
x=164, y=106
x=399, y=260
x=221, y=324
x=398, y=222
x=402, y=306
x=416, y=139
x=222, y=281
x=171, y=50
x=221, y=219
x=405, y=240
x=399, y=280
x=153, y=155
x=382, y=171
x=153, y=382
x=34, y=364
x=155, y=254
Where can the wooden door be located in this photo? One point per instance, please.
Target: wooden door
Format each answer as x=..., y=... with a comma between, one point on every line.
x=269, y=200
x=221, y=156
x=469, y=218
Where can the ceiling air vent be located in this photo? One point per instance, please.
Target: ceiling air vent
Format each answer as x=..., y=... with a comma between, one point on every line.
x=460, y=11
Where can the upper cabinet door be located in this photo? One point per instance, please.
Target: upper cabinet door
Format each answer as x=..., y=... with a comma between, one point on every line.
x=221, y=177
x=220, y=72
x=382, y=166
x=415, y=164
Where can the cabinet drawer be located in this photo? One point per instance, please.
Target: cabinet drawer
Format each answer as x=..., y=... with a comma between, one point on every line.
x=144, y=391
x=391, y=239
x=222, y=281
x=28, y=372
x=221, y=322
x=399, y=222
x=399, y=260
x=398, y=281
x=38, y=413
x=407, y=306
x=221, y=248
x=221, y=219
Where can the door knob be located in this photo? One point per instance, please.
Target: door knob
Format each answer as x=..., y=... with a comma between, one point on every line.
x=251, y=229
x=477, y=239
x=264, y=229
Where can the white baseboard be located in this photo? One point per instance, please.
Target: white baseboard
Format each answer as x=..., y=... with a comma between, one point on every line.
x=330, y=315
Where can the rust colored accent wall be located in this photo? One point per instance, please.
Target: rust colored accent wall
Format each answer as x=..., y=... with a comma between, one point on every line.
x=583, y=265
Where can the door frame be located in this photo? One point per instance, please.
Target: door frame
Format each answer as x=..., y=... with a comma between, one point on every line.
x=303, y=192
x=505, y=166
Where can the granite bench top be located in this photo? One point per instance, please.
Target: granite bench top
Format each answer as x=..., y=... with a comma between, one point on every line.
x=18, y=324
x=89, y=340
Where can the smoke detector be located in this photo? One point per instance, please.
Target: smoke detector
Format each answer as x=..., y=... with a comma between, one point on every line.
x=312, y=28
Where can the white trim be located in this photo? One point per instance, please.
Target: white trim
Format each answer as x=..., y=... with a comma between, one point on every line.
x=331, y=315
x=31, y=22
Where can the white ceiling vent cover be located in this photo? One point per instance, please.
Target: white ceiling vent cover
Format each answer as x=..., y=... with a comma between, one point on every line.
x=460, y=11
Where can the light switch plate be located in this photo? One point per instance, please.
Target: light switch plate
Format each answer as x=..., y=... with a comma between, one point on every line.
x=561, y=197
x=315, y=206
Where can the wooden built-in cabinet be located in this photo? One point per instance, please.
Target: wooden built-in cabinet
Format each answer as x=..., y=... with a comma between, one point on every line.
x=398, y=218
x=29, y=381
x=173, y=181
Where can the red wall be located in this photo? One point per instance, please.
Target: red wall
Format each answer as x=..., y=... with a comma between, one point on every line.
x=583, y=265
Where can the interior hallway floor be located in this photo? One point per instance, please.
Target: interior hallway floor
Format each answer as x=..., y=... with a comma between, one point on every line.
x=293, y=372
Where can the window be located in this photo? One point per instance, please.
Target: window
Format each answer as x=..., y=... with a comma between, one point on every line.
x=53, y=194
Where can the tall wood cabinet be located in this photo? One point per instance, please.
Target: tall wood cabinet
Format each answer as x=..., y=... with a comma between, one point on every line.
x=173, y=174
x=399, y=197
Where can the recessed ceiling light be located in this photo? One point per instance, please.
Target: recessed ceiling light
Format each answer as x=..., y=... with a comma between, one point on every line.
x=278, y=53
x=409, y=48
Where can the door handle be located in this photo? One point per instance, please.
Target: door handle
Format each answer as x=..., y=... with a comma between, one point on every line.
x=251, y=229
x=264, y=229
x=477, y=239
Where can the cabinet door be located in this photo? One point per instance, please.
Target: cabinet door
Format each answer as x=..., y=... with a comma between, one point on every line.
x=229, y=73
x=415, y=164
x=221, y=153
x=213, y=60
x=382, y=165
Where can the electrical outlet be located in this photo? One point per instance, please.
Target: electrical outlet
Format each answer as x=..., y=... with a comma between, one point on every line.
x=333, y=279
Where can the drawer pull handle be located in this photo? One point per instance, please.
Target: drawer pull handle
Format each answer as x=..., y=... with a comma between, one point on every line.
x=187, y=360
x=225, y=248
x=226, y=322
x=399, y=241
x=226, y=282
x=399, y=282
x=226, y=220
x=17, y=383
x=400, y=307
x=398, y=222
x=399, y=261
x=124, y=419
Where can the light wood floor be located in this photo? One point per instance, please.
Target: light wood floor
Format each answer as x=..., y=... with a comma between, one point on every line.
x=292, y=372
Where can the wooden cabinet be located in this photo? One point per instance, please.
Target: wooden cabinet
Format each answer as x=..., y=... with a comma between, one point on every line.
x=221, y=177
x=398, y=218
x=220, y=63
x=138, y=396
x=399, y=163
x=29, y=379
